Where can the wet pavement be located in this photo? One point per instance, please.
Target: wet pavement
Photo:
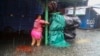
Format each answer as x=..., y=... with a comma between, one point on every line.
x=87, y=43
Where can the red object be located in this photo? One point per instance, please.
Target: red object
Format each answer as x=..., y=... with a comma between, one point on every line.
x=24, y=48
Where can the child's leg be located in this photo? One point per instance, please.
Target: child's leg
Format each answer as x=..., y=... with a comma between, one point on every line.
x=33, y=41
x=39, y=42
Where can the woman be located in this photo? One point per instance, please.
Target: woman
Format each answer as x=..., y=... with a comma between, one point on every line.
x=57, y=24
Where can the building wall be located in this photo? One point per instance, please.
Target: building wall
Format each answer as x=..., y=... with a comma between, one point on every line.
x=18, y=14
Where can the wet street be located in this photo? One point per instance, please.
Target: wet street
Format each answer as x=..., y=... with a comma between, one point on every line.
x=87, y=43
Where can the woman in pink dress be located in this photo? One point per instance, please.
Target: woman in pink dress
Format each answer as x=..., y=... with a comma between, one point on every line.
x=36, y=32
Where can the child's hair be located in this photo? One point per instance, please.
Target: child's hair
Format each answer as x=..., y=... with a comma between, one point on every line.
x=37, y=16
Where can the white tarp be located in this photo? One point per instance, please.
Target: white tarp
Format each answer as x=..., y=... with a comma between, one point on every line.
x=93, y=2
x=97, y=10
x=78, y=11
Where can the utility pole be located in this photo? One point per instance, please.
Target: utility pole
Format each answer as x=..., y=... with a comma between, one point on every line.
x=46, y=18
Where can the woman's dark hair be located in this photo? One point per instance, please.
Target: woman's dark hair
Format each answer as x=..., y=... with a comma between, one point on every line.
x=52, y=6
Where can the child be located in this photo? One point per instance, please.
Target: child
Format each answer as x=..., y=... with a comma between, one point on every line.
x=36, y=32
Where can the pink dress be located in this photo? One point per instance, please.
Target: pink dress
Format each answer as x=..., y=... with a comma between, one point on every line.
x=37, y=29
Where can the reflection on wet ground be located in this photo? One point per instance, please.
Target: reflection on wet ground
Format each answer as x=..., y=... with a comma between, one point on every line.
x=85, y=44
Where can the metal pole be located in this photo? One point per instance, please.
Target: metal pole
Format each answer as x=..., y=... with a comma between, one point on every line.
x=74, y=10
x=46, y=18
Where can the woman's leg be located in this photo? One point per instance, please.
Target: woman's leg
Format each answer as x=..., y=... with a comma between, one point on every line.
x=33, y=41
x=39, y=42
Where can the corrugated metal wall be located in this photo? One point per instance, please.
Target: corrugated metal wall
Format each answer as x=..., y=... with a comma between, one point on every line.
x=84, y=18
x=90, y=20
x=18, y=14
